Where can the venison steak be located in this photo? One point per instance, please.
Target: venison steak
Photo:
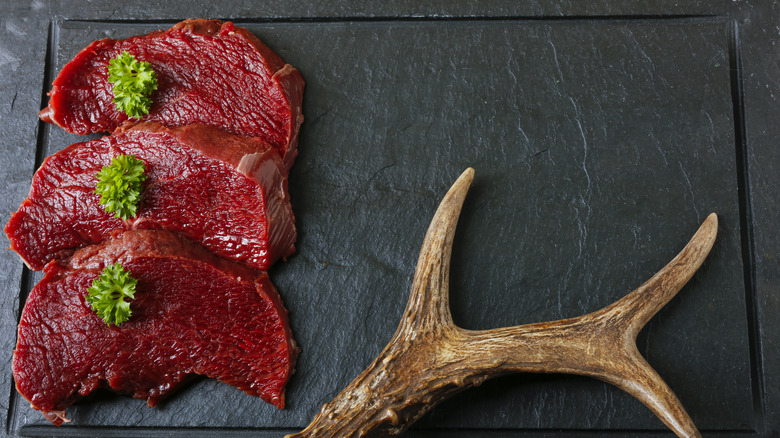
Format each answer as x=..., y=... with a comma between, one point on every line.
x=192, y=313
x=208, y=72
x=227, y=192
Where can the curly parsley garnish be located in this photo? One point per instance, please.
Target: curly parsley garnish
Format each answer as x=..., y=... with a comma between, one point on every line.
x=119, y=185
x=108, y=292
x=133, y=82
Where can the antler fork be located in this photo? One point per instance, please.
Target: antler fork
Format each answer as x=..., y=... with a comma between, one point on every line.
x=429, y=358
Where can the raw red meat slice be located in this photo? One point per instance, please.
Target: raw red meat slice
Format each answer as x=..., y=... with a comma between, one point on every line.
x=208, y=72
x=225, y=191
x=192, y=313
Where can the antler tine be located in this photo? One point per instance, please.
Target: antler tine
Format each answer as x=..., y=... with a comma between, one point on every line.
x=635, y=376
x=644, y=302
x=428, y=307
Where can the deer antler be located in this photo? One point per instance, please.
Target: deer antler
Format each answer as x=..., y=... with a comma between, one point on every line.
x=429, y=358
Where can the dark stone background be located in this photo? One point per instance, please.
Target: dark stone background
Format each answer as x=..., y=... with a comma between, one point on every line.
x=601, y=136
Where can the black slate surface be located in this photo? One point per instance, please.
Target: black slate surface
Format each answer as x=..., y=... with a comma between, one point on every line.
x=601, y=136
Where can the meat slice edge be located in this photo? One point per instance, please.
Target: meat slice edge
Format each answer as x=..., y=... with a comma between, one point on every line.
x=209, y=72
x=226, y=191
x=192, y=313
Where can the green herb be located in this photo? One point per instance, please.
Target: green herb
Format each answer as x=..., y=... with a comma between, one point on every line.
x=119, y=186
x=108, y=292
x=133, y=82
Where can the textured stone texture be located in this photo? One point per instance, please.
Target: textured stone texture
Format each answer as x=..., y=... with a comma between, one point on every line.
x=601, y=136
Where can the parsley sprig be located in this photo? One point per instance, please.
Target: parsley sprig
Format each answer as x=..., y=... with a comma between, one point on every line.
x=119, y=185
x=108, y=292
x=134, y=81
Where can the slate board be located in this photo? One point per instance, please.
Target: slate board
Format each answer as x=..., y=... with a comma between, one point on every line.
x=601, y=139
